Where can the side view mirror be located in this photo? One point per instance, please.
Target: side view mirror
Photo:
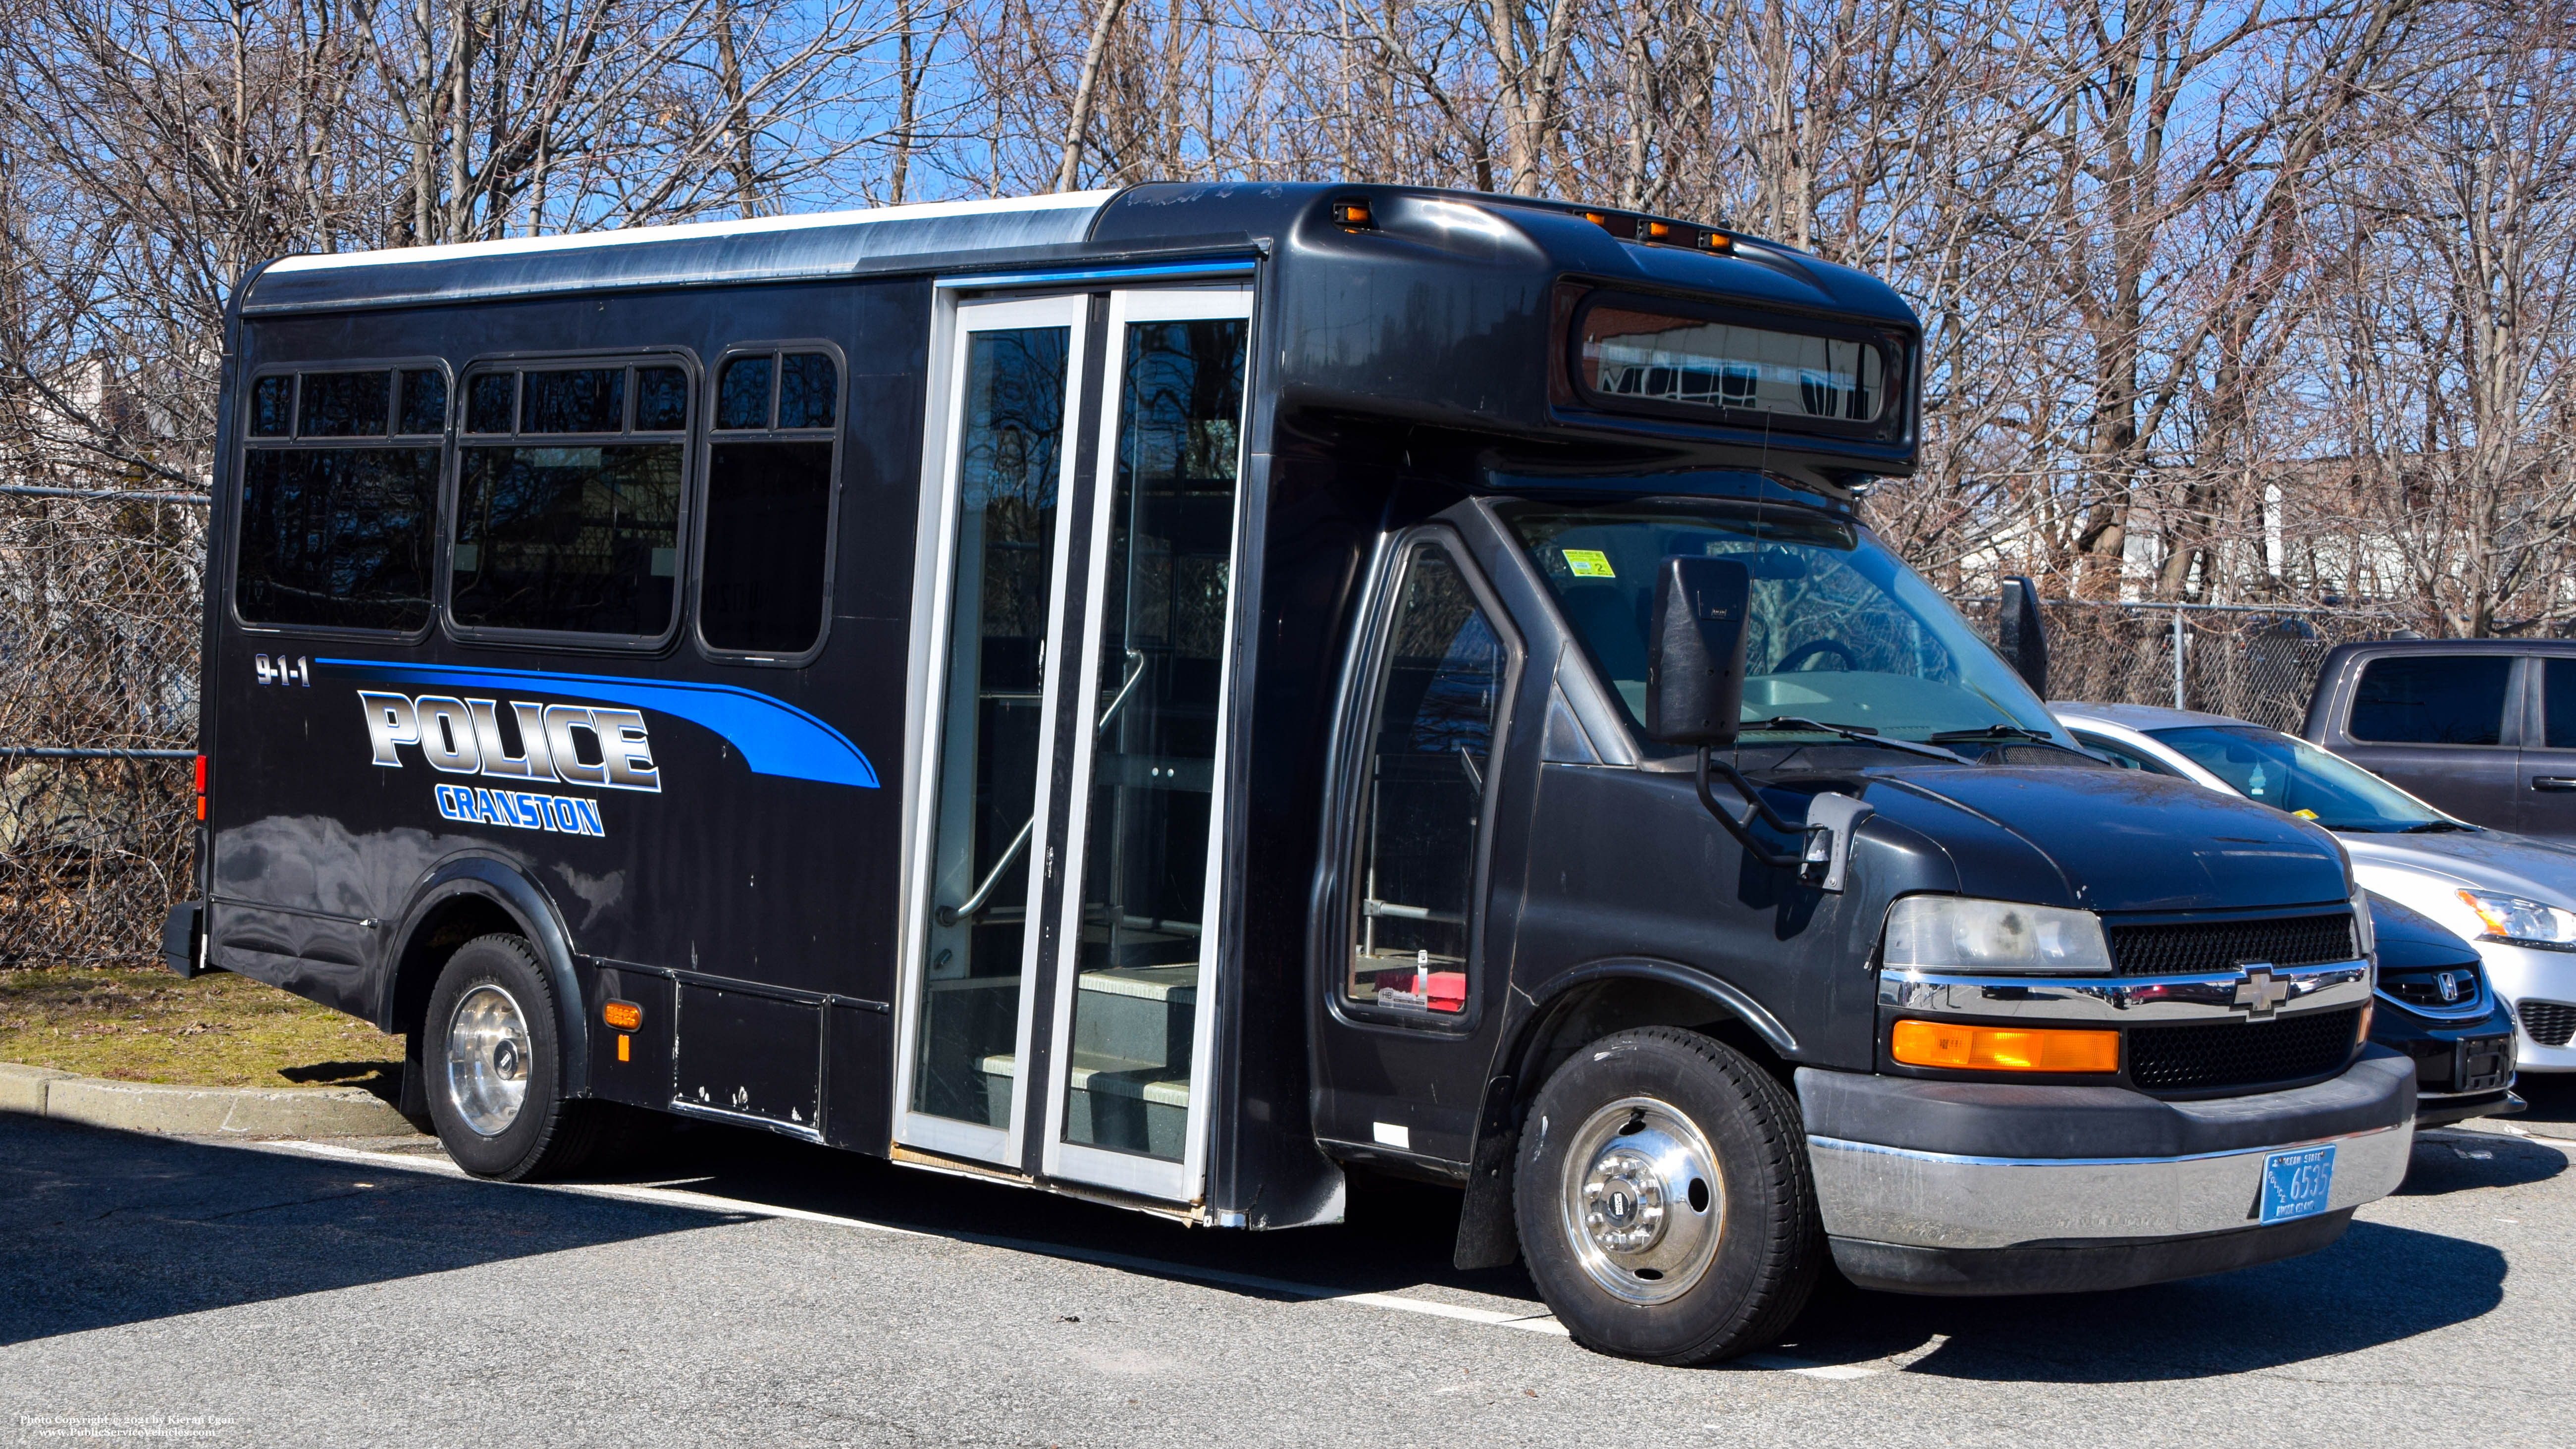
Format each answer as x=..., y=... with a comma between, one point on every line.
x=1695, y=651
x=1695, y=696
x=2021, y=636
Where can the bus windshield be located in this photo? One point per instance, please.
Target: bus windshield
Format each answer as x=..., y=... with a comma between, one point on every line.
x=1841, y=632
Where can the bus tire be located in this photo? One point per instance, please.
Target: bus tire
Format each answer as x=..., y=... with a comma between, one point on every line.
x=1664, y=1200
x=493, y=1055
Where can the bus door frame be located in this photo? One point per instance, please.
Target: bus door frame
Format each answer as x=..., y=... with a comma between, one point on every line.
x=1099, y=308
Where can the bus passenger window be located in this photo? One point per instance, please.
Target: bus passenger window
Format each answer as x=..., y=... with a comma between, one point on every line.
x=661, y=400
x=488, y=402
x=1430, y=755
x=272, y=406
x=767, y=550
x=808, y=389
x=345, y=405
x=337, y=537
x=761, y=582
x=578, y=533
x=581, y=400
x=424, y=402
x=742, y=393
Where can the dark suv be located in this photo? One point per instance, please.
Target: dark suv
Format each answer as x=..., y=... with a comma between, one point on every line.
x=2482, y=728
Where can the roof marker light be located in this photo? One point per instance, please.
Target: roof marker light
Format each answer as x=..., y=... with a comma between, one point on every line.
x=1353, y=214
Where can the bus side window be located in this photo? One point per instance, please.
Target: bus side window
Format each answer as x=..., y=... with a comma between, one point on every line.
x=573, y=525
x=1430, y=754
x=764, y=565
x=339, y=536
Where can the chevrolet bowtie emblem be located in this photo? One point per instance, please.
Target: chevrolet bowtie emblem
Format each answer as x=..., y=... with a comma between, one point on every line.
x=2259, y=993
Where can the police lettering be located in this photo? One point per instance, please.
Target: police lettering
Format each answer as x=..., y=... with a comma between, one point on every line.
x=577, y=744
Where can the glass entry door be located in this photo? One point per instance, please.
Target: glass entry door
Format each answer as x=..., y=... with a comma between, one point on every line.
x=1134, y=1009
x=995, y=601
x=1061, y=964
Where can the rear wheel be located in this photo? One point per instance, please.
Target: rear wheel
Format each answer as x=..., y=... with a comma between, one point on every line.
x=495, y=1058
x=1664, y=1200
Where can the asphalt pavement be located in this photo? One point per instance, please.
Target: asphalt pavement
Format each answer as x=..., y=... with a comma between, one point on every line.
x=737, y=1289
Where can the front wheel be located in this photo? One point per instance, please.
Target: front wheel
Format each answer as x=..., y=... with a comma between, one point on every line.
x=495, y=1064
x=1664, y=1200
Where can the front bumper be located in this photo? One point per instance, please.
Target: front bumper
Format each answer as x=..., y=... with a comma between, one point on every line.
x=1982, y=1188
x=2517, y=973
x=2463, y=1065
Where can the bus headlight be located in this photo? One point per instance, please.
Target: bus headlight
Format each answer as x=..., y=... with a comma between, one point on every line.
x=1955, y=933
x=2522, y=923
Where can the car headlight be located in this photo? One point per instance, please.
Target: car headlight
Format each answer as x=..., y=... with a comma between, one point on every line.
x=1954, y=933
x=2522, y=922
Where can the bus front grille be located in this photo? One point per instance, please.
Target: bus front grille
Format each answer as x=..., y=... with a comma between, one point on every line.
x=2202, y=948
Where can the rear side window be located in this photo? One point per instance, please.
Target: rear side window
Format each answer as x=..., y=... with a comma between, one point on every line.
x=568, y=503
x=2432, y=699
x=341, y=534
x=2558, y=703
x=764, y=568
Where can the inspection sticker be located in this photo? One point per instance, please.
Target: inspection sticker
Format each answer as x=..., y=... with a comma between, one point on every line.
x=2296, y=1183
x=1588, y=563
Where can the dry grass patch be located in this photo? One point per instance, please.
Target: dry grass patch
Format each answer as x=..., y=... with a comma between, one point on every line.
x=220, y=1030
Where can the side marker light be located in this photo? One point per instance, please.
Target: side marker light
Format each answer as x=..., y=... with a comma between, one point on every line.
x=622, y=1040
x=2003, y=1048
x=1353, y=215
x=623, y=1015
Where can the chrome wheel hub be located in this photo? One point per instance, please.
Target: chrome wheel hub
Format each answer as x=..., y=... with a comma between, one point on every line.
x=487, y=1059
x=1643, y=1202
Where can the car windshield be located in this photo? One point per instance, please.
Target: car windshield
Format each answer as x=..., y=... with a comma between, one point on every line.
x=1841, y=632
x=2291, y=774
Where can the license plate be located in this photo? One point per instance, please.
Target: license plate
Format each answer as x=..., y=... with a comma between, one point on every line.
x=2297, y=1183
x=2481, y=1064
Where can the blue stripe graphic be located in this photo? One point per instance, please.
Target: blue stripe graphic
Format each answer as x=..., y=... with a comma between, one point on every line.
x=775, y=737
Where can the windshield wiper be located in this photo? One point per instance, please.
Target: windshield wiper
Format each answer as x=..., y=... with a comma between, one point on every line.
x=1994, y=732
x=2431, y=827
x=1855, y=734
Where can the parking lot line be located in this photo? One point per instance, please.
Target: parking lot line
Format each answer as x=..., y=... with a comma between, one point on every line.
x=1543, y=1323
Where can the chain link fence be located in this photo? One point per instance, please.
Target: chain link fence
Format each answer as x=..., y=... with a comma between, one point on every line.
x=2253, y=663
x=99, y=617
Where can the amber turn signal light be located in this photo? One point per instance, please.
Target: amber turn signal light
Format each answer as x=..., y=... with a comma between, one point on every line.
x=1354, y=214
x=623, y=1015
x=2003, y=1048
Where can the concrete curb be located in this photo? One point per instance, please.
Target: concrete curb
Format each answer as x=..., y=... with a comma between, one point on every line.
x=197, y=1111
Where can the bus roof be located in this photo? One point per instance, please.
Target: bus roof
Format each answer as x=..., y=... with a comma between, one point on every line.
x=1037, y=231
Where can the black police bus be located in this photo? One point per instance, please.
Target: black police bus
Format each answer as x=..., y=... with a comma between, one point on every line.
x=1161, y=696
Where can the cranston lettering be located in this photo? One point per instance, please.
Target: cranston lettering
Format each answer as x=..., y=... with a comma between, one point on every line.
x=577, y=744
x=520, y=810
